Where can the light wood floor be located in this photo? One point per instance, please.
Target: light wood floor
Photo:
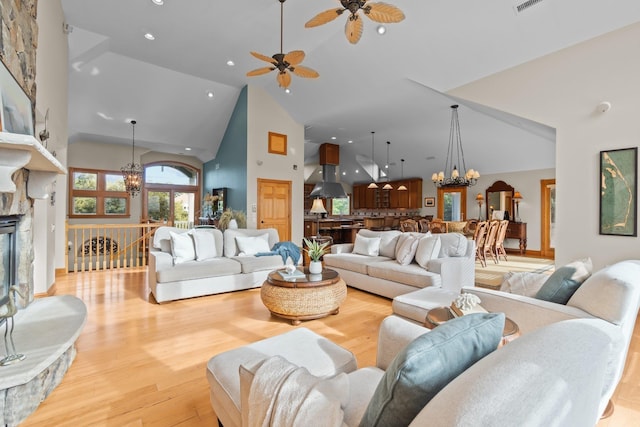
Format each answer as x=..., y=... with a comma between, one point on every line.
x=140, y=363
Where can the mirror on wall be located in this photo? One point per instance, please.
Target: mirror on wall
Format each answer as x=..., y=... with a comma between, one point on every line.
x=499, y=197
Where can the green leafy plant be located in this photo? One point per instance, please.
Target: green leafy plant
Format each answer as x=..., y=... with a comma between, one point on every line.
x=315, y=249
x=228, y=215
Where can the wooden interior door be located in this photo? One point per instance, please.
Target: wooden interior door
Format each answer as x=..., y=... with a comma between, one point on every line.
x=274, y=206
x=456, y=204
x=548, y=215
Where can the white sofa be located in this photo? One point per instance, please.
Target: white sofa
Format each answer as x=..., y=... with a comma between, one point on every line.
x=611, y=294
x=536, y=380
x=227, y=271
x=383, y=275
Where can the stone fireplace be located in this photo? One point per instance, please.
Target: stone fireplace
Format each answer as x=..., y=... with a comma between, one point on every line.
x=16, y=208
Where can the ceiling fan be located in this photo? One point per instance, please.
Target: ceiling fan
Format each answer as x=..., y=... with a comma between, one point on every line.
x=378, y=12
x=284, y=63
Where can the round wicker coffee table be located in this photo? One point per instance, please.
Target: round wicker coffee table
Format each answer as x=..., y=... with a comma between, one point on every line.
x=310, y=297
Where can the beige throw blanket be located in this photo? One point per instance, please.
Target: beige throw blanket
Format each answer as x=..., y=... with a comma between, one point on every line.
x=285, y=395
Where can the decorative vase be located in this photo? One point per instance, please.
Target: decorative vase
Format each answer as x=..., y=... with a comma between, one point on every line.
x=233, y=224
x=315, y=267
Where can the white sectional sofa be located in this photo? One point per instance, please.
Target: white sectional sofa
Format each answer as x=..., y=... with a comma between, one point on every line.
x=226, y=270
x=451, y=268
x=611, y=295
x=536, y=380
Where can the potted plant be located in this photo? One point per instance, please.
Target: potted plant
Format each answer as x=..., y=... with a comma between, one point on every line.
x=232, y=219
x=315, y=250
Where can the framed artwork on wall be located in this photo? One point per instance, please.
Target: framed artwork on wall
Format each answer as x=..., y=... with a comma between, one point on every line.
x=277, y=143
x=430, y=202
x=16, y=110
x=619, y=192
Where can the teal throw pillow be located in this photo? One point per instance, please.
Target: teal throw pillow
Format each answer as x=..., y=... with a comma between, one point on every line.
x=560, y=286
x=428, y=364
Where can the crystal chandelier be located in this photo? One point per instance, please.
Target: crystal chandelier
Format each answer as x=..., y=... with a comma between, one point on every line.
x=450, y=177
x=132, y=172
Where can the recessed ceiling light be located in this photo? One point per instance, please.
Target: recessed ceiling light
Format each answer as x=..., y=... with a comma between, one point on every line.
x=210, y=94
x=357, y=171
x=333, y=137
x=350, y=141
x=230, y=63
x=149, y=36
x=381, y=29
x=344, y=173
x=157, y=2
x=287, y=90
x=187, y=148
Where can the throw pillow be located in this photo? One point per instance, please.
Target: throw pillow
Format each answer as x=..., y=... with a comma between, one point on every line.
x=560, y=286
x=452, y=244
x=251, y=245
x=407, y=246
x=182, y=247
x=369, y=246
x=428, y=364
x=428, y=249
x=523, y=283
x=204, y=243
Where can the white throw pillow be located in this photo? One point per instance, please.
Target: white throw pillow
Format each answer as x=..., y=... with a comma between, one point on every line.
x=452, y=245
x=428, y=249
x=583, y=267
x=251, y=245
x=369, y=246
x=525, y=283
x=407, y=246
x=182, y=247
x=205, y=244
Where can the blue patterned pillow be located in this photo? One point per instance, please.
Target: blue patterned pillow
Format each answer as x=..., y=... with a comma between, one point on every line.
x=428, y=364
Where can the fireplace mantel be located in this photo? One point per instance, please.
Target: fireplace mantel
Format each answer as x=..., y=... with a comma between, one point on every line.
x=24, y=151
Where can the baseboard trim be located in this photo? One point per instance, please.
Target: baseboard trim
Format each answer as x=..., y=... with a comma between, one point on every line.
x=61, y=272
x=50, y=292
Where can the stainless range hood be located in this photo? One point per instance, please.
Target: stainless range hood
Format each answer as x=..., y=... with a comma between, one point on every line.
x=329, y=187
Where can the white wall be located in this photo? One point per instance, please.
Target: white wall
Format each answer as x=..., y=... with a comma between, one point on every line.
x=51, y=80
x=562, y=90
x=266, y=115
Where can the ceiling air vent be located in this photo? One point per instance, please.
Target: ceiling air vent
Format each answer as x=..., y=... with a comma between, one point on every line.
x=525, y=5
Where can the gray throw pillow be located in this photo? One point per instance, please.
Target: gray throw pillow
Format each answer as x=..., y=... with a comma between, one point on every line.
x=428, y=364
x=560, y=286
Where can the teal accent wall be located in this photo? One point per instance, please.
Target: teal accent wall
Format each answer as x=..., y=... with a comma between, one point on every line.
x=231, y=158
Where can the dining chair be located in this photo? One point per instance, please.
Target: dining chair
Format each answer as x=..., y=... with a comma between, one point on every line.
x=436, y=225
x=500, y=236
x=409, y=225
x=490, y=240
x=423, y=224
x=479, y=236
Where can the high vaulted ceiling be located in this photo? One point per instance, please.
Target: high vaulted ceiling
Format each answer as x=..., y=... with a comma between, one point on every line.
x=392, y=84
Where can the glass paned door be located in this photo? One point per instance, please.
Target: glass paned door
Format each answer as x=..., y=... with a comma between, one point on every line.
x=183, y=209
x=158, y=205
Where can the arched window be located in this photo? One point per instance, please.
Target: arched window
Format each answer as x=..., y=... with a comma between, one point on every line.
x=171, y=193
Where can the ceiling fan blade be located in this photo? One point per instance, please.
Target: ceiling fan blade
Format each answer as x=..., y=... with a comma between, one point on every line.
x=284, y=79
x=294, y=57
x=305, y=72
x=353, y=29
x=383, y=12
x=264, y=58
x=260, y=71
x=324, y=17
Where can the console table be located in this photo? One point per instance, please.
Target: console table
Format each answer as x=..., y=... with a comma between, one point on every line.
x=518, y=230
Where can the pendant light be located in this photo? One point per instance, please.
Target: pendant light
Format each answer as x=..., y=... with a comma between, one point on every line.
x=402, y=186
x=373, y=184
x=387, y=186
x=132, y=172
x=450, y=176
